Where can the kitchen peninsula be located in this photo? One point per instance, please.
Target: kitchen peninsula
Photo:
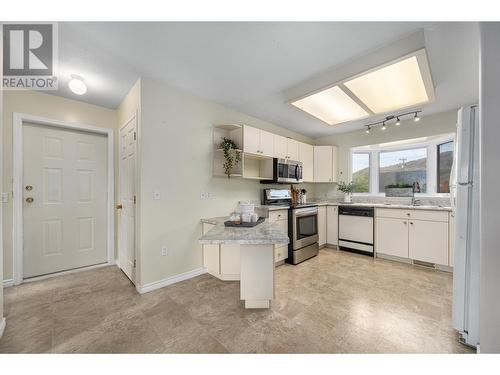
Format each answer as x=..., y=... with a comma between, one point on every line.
x=256, y=252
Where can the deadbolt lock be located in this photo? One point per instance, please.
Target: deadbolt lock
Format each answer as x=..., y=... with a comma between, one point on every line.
x=29, y=187
x=29, y=200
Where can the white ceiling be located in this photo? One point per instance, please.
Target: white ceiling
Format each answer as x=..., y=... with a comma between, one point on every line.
x=248, y=66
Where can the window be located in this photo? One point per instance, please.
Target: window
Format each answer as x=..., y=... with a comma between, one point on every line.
x=424, y=163
x=403, y=167
x=361, y=172
x=444, y=163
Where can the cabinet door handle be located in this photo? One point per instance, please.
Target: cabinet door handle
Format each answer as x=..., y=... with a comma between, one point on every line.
x=408, y=214
x=411, y=222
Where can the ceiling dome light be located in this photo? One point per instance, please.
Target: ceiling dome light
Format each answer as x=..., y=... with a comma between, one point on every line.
x=416, y=118
x=398, y=121
x=76, y=85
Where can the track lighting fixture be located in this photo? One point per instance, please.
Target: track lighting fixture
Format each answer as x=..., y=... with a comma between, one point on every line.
x=388, y=120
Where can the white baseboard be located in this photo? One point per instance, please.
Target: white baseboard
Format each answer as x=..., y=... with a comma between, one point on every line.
x=170, y=280
x=7, y=283
x=2, y=327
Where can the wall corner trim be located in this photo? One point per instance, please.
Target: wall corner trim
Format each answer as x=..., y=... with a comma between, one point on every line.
x=2, y=327
x=141, y=289
x=8, y=283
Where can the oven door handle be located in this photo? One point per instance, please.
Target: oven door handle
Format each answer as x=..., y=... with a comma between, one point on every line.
x=311, y=212
x=297, y=172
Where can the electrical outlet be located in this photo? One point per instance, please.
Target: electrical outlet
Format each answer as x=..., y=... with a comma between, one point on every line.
x=156, y=195
x=164, y=251
x=205, y=195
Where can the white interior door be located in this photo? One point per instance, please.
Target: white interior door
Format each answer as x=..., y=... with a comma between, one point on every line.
x=65, y=199
x=127, y=198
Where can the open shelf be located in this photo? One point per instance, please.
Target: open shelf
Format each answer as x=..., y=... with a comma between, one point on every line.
x=257, y=167
x=232, y=150
x=235, y=133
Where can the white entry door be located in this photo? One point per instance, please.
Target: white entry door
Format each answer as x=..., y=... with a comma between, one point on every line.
x=65, y=199
x=127, y=199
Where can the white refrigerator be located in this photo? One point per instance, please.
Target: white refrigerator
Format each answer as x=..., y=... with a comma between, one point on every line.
x=465, y=198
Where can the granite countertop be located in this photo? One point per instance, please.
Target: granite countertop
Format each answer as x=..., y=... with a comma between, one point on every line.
x=385, y=205
x=265, y=233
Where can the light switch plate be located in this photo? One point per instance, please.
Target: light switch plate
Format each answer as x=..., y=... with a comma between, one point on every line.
x=156, y=195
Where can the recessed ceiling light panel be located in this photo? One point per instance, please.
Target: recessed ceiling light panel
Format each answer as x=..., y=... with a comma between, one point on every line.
x=332, y=106
x=392, y=87
x=401, y=83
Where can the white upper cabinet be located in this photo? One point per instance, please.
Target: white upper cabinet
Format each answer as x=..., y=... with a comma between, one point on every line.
x=306, y=156
x=293, y=149
x=280, y=147
x=266, y=143
x=325, y=164
x=251, y=140
x=286, y=148
x=256, y=141
x=335, y=164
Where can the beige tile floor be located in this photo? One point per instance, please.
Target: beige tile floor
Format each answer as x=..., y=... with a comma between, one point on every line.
x=336, y=302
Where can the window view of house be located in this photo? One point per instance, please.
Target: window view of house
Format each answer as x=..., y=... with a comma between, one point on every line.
x=444, y=161
x=361, y=172
x=404, y=167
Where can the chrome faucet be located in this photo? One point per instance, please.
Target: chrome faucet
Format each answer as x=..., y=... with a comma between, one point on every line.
x=415, y=201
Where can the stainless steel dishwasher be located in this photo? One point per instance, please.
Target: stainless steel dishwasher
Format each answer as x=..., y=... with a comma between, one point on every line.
x=356, y=229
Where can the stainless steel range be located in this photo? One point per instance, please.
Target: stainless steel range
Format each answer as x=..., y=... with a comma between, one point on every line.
x=302, y=225
x=303, y=233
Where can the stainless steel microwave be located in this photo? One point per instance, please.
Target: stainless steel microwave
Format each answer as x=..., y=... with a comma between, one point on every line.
x=286, y=172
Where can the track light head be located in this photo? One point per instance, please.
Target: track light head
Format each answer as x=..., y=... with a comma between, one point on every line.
x=416, y=118
x=367, y=131
x=383, y=126
x=398, y=121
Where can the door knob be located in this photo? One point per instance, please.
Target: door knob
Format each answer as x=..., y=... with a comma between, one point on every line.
x=29, y=200
x=119, y=206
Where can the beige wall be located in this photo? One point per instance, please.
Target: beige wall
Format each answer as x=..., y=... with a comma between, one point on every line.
x=440, y=123
x=176, y=142
x=49, y=106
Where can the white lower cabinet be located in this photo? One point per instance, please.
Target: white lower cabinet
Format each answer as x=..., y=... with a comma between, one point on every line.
x=280, y=253
x=391, y=237
x=428, y=241
x=413, y=234
x=332, y=225
x=322, y=225
x=230, y=261
x=280, y=217
x=221, y=261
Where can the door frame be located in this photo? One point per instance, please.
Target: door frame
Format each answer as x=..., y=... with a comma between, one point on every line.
x=17, y=173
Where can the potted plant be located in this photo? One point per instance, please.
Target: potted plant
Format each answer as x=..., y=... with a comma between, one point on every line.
x=399, y=190
x=231, y=157
x=347, y=190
